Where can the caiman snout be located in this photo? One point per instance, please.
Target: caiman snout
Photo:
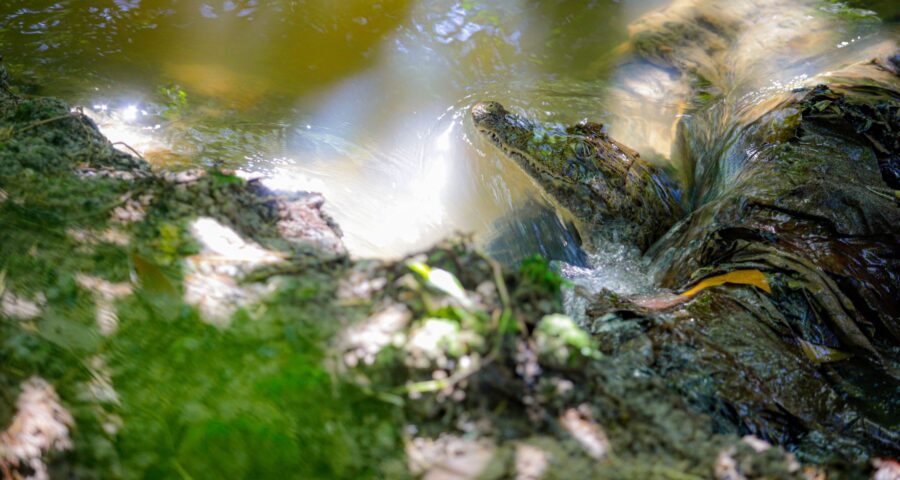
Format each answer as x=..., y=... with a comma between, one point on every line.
x=486, y=113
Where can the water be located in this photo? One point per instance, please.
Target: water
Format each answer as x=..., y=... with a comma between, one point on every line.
x=363, y=101
x=367, y=101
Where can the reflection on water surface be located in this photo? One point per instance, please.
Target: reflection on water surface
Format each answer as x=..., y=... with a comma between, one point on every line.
x=365, y=101
x=362, y=100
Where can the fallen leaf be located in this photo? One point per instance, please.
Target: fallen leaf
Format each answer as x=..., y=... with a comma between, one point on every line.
x=821, y=353
x=151, y=277
x=737, y=277
x=660, y=301
x=591, y=437
x=443, y=281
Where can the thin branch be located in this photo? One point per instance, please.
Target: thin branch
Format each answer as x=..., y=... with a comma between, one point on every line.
x=129, y=147
x=43, y=122
x=437, y=385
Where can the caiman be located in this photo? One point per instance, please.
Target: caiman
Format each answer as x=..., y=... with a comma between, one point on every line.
x=809, y=357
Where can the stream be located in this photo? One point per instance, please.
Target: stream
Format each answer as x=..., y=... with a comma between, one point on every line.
x=367, y=102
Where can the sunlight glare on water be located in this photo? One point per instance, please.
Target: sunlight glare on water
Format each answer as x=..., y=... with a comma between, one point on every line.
x=367, y=101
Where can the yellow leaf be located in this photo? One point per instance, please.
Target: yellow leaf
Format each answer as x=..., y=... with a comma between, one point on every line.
x=737, y=277
x=822, y=354
x=441, y=280
x=420, y=268
x=151, y=277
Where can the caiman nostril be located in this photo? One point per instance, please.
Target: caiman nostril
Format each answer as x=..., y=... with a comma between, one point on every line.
x=479, y=112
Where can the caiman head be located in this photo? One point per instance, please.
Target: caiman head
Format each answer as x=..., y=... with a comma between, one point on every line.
x=612, y=192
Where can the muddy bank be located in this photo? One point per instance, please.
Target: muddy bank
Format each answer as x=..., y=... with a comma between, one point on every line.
x=196, y=325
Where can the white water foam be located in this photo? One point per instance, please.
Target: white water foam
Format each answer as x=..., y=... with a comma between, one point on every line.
x=614, y=267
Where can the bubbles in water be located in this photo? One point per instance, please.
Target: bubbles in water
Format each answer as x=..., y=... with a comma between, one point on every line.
x=614, y=267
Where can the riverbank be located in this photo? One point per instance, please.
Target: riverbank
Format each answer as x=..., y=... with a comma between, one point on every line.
x=197, y=325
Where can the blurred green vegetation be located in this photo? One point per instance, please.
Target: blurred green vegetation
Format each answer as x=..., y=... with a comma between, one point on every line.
x=195, y=401
x=252, y=401
x=191, y=400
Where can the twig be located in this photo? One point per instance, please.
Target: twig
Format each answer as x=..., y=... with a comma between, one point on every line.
x=4, y=468
x=129, y=148
x=501, y=284
x=45, y=121
x=504, y=294
x=883, y=193
x=436, y=385
x=181, y=471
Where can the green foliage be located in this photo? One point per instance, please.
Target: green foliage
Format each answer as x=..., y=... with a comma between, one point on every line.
x=221, y=179
x=35, y=246
x=538, y=275
x=561, y=341
x=565, y=329
x=847, y=12
x=175, y=100
x=24, y=353
x=254, y=400
x=441, y=281
x=171, y=243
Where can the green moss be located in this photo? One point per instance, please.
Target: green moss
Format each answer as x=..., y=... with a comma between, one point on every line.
x=251, y=401
x=847, y=12
x=561, y=341
x=194, y=401
x=536, y=273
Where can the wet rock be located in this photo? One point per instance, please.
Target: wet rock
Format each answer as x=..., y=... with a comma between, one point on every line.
x=302, y=220
x=886, y=469
x=18, y=307
x=793, y=190
x=449, y=457
x=531, y=462
x=40, y=427
x=105, y=295
x=363, y=342
x=213, y=275
x=588, y=433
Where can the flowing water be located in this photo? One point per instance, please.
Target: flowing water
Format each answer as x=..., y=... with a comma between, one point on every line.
x=367, y=102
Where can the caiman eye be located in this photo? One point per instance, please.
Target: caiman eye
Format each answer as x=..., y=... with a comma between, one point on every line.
x=583, y=149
